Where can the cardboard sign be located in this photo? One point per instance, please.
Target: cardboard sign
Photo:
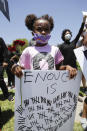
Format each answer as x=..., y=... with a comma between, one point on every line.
x=46, y=101
x=81, y=55
x=4, y=8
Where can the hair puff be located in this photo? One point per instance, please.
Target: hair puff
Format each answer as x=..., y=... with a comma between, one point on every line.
x=29, y=21
x=49, y=19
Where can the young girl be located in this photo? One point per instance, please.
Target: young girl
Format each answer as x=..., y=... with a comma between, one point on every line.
x=41, y=56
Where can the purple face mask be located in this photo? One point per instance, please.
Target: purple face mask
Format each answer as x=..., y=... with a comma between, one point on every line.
x=41, y=38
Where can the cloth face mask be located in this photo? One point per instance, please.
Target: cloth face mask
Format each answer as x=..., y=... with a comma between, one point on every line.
x=67, y=37
x=41, y=38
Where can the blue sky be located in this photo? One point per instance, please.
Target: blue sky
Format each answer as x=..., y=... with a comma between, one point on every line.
x=66, y=14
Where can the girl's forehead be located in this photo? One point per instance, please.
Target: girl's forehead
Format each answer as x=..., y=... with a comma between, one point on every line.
x=41, y=22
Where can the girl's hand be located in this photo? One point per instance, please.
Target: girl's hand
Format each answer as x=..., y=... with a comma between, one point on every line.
x=72, y=71
x=17, y=70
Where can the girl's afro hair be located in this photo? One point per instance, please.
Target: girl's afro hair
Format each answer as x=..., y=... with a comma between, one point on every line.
x=30, y=20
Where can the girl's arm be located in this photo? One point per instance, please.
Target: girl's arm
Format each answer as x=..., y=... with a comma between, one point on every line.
x=72, y=71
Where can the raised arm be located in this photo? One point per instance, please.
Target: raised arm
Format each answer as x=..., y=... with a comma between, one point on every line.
x=80, y=31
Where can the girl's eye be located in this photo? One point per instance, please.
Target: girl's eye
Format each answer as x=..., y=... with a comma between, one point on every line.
x=46, y=29
x=39, y=29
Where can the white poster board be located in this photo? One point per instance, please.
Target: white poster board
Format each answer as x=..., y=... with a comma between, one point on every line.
x=46, y=101
x=82, y=60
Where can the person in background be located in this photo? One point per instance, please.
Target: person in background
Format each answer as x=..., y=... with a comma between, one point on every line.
x=13, y=56
x=67, y=46
x=84, y=113
x=79, y=44
x=0, y=110
x=3, y=64
x=42, y=56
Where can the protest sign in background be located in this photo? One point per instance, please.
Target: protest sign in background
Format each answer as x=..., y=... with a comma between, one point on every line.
x=46, y=101
x=85, y=14
x=5, y=8
x=81, y=55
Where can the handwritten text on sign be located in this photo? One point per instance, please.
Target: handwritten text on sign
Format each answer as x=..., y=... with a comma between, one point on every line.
x=49, y=101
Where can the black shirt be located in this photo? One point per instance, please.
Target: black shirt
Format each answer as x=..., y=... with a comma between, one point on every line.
x=3, y=52
x=67, y=47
